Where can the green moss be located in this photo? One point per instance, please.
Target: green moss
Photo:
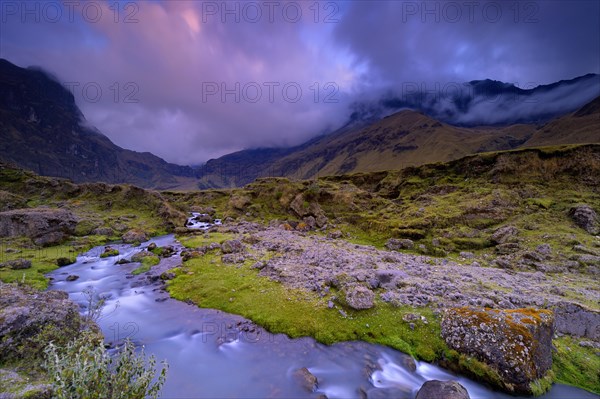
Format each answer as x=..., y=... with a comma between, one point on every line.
x=576, y=365
x=239, y=290
x=542, y=385
x=146, y=264
x=110, y=252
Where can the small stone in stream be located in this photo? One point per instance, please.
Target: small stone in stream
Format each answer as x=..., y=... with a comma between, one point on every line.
x=435, y=389
x=306, y=379
x=152, y=246
x=167, y=276
x=161, y=299
x=72, y=277
x=122, y=261
x=134, y=236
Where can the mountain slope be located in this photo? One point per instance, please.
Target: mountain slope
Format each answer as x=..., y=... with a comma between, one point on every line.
x=580, y=127
x=42, y=129
x=406, y=138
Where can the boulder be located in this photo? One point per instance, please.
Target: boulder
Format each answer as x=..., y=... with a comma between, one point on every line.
x=306, y=379
x=49, y=239
x=359, y=297
x=45, y=226
x=303, y=208
x=17, y=264
x=72, y=277
x=133, y=236
x=516, y=343
x=585, y=217
x=232, y=247
x=395, y=244
x=61, y=262
x=29, y=319
x=576, y=320
x=435, y=389
x=504, y=234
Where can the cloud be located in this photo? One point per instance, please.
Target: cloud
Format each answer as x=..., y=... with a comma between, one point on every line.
x=192, y=80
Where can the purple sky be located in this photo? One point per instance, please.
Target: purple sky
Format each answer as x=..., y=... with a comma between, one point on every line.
x=162, y=66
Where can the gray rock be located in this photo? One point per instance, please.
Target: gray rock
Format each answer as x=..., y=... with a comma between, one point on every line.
x=586, y=218
x=544, y=249
x=306, y=379
x=589, y=259
x=44, y=225
x=17, y=264
x=504, y=234
x=232, y=247
x=584, y=250
x=72, y=277
x=359, y=297
x=467, y=255
x=435, y=389
x=134, y=236
x=26, y=315
x=233, y=258
x=390, y=279
x=395, y=244
x=516, y=343
x=576, y=320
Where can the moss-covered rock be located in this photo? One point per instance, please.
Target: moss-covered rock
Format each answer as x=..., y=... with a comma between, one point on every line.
x=516, y=343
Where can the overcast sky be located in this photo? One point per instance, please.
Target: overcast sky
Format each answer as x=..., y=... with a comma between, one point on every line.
x=193, y=80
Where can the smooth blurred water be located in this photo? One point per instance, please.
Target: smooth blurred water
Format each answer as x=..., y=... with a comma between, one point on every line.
x=209, y=357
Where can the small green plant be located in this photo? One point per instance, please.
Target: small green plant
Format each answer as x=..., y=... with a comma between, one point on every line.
x=85, y=370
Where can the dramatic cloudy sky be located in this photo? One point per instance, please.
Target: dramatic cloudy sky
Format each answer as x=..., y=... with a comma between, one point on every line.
x=193, y=80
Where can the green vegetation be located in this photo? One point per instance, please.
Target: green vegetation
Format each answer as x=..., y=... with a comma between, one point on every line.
x=147, y=260
x=576, y=365
x=239, y=289
x=43, y=261
x=84, y=369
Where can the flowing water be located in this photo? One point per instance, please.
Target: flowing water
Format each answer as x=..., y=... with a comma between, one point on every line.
x=212, y=354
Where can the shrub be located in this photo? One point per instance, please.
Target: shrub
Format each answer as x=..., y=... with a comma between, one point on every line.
x=85, y=370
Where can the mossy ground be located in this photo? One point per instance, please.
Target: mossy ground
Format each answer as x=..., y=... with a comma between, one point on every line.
x=576, y=365
x=239, y=289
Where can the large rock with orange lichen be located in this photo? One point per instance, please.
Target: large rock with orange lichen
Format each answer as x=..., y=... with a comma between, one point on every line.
x=516, y=343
